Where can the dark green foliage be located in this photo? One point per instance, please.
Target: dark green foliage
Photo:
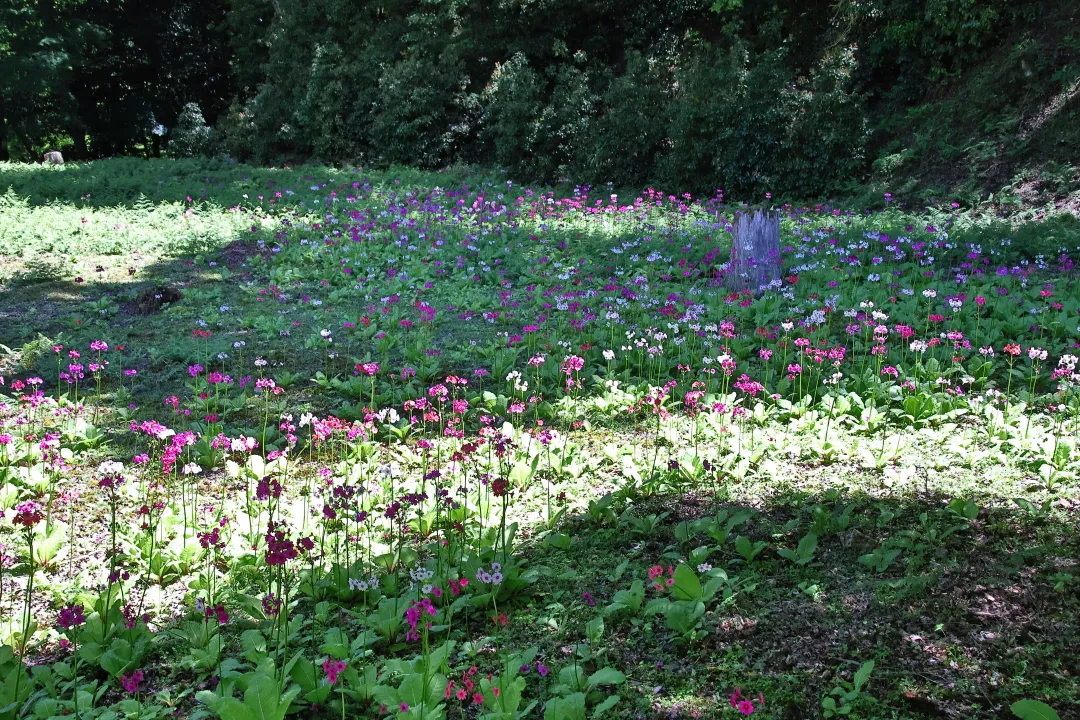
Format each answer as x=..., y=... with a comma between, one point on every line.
x=191, y=136
x=529, y=134
x=512, y=105
x=414, y=108
x=802, y=99
x=95, y=78
x=630, y=133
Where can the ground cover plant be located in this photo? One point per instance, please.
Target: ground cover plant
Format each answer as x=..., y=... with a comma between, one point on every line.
x=327, y=442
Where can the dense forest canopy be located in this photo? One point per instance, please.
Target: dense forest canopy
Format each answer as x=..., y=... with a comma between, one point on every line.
x=797, y=97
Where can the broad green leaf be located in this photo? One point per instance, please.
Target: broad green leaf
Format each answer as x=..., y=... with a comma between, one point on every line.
x=1033, y=710
x=606, y=676
x=808, y=545
x=558, y=540
x=336, y=643
x=603, y=707
x=263, y=698
x=687, y=586
x=227, y=708
x=571, y=707
x=863, y=674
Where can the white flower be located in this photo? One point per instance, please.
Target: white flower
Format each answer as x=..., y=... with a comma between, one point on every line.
x=421, y=574
x=388, y=415
x=111, y=467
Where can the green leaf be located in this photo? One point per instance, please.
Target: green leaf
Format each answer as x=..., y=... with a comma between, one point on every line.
x=687, y=586
x=746, y=549
x=683, y=617
x=603, y=707
x=253, y=643
x=263, y=698
x=336, y=643
x=118, y=658
x=571, y=707
x=684, y=532
x=572, y=677
x=558, y=540
x=594, y=629
x=606, y=676
x=227, y=708
x=1033, y=710
x=720, y=6
x=863, y=674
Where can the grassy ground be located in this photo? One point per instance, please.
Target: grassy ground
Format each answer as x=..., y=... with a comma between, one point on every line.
x=939, y=551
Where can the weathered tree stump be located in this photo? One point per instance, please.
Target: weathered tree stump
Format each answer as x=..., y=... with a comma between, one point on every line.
x=150, y=300
x=53, y=157
x=755, y=251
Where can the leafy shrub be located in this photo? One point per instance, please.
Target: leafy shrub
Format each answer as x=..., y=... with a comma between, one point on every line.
x=323, y=108
x=512, y=104
x=729, y=121
x=413, y=106
x=630, y=134
x=191, y=136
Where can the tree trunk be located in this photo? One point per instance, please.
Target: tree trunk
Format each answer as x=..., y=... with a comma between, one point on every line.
x=4, y=155
x=755, y=252
x=78, y=140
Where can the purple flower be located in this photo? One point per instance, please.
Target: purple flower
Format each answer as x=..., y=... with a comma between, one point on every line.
x=71, y=617
x=131, y=682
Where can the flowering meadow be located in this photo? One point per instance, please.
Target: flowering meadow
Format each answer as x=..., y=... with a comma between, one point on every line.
x=332, y=444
